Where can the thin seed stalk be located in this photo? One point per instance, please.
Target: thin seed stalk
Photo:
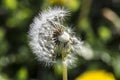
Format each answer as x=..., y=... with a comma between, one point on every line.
x=64, y=66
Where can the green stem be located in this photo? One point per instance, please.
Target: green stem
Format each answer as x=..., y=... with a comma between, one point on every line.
x=64, y=67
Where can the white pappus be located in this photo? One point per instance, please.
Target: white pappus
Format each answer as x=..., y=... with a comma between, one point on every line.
x=48, y=34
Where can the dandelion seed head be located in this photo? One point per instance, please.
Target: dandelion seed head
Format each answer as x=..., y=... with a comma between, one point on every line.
x=47, y=37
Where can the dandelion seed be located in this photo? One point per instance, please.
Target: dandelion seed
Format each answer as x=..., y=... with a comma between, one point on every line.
x=49, y=37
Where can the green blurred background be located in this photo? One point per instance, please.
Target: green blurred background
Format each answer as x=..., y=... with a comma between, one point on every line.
x=96, y=22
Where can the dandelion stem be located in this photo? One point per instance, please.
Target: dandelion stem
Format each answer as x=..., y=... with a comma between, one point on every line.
x=64, y=67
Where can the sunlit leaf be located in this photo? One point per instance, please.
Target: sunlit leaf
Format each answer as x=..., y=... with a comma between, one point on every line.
x=22, y=74
x=10, y=4
x=104, y=33
x=73, y=4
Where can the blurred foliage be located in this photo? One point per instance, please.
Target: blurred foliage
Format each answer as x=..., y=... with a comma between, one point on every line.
x=96, y=22
x=10, y=4
x=22, y=74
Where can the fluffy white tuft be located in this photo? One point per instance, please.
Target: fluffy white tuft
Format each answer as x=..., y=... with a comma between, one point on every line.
x=41, y=36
